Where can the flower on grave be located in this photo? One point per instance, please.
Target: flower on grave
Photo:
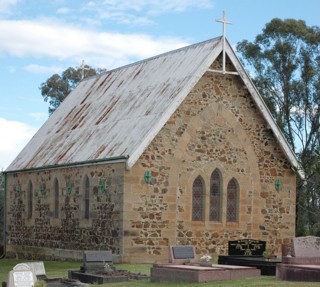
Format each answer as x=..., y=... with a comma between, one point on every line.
x=206, y=258
x=267, y=255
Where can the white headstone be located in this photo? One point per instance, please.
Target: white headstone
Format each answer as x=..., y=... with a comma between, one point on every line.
x=21, y=276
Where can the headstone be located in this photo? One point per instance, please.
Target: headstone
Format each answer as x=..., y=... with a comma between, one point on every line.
x=21, y=276
x=308, y=246
x=246, y=247
x=97, y=260
x=182, y=254
x=38, y=269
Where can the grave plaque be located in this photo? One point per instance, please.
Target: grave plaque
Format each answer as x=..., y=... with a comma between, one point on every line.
x=246, y=247
x=21, y=276
x=183, y=252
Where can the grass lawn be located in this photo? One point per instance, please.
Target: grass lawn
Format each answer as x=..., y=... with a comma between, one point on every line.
x=58, y=269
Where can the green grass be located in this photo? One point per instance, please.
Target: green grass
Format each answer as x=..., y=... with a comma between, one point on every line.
x=57, y=269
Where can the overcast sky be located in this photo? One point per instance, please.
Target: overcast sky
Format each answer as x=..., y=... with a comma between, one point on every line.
x=41, y=37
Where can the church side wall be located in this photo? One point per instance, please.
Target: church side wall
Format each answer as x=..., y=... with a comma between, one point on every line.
x=217, y=127
x=60, y=228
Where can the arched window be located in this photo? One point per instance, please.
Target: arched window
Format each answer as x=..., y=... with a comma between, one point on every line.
x=56, y=199
x=86, y=197
x=232, y=201
x=198, y=199
x=215, y=196
x=30, y=199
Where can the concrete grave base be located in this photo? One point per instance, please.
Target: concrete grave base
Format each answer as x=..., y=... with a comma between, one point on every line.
x=292, y=272
x=193, y=273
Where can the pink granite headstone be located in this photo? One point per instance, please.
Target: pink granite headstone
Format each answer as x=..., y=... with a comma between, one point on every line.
x=308, y=246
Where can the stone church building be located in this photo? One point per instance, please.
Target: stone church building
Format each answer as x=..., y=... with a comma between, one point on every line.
x=173, y=150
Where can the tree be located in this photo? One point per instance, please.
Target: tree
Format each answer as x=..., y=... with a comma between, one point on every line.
x=2, y=208
x=58, y=87
x=285, y=61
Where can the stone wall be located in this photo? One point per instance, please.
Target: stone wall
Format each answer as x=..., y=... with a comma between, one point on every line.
x=43, y=235
x=218, y=126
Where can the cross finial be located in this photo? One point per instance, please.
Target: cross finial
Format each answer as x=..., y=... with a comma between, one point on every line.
x=224, y=22
x=83, y=68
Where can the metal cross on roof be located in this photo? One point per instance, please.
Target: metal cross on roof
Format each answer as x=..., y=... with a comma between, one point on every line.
x=83, y=68
x=224, y=22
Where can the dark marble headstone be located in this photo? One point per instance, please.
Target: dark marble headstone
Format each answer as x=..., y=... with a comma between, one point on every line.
x=97, y=260
x=308, y=246
x=246, y=247
x=98, y=256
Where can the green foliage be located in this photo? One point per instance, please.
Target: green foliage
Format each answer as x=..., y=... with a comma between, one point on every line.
x=40, y=283
x=2, y=202
x=58, y=87
x=285, y=60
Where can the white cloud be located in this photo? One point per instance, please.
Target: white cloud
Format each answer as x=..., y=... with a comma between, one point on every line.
x=149, y=6
x=6, y=5
x=39, y=69
x=128, y=11
x=64, y=42
x=17, y=135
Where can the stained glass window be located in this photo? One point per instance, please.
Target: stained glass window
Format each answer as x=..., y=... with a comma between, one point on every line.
x=30, y=199
x=56, y=198
x=232, y=201
x=198, y=199
x=215, y=196
x=86, y=197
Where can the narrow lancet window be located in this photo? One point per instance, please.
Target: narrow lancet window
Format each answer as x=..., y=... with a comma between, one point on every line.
x=198, y=199
x=86, y=198
x=30, y=199
x=56, y=199
x=232, y=200
x=215, y=196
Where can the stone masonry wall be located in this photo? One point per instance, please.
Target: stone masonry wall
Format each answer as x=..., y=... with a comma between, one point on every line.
x=218, y=126
x=43, y=235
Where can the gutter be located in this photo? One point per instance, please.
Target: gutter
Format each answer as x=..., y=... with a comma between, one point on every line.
x=4, y=217
x=80, y=163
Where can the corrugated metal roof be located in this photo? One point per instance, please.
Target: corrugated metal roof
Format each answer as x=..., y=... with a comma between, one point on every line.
x=118, y=113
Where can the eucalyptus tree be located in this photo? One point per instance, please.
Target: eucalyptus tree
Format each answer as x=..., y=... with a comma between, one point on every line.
x=58, y=87
x=284, y=61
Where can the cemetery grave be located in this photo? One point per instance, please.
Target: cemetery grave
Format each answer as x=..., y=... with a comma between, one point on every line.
x=98, y=268
x=250, y=252
x=303, y=261
x=183, y=267
x=27, y=274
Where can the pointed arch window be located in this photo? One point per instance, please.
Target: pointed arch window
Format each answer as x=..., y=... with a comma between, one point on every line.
x=56, y=199
x=232, y=200
x=30, y=199
x=215, y=196
x=86, y=198
x=198, y=199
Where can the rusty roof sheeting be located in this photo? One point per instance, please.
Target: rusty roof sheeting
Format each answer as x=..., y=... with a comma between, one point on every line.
x=118, y=113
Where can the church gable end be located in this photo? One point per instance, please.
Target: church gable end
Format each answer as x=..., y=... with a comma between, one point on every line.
x=217, y=129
